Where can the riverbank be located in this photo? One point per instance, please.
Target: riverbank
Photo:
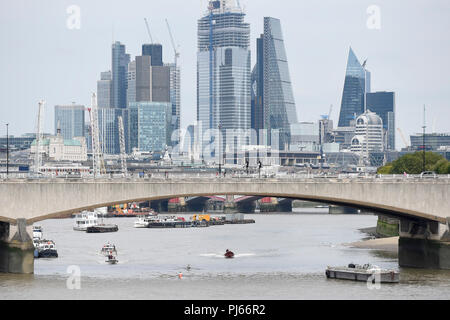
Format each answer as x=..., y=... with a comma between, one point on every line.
x=383, y=244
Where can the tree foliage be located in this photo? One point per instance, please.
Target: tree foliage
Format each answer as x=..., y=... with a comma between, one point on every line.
x=413, y=164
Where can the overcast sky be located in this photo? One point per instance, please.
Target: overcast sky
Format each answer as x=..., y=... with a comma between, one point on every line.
x=41, y=58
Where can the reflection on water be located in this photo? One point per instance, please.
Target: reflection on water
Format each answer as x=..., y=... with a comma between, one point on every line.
x=282, y=256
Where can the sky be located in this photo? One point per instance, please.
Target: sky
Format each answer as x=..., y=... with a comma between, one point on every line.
x=406, y=44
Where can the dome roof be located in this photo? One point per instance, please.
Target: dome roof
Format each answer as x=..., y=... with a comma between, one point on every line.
x=369, y=117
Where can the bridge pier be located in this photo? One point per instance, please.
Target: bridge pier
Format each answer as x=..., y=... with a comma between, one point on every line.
x=16, y=247
x=424, y=245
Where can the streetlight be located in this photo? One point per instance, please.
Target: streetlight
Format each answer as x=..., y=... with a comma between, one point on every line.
x=220, y=162
x=7, y=150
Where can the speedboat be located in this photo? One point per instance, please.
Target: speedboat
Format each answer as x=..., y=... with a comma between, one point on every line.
x=143, y=222
x=229, y=254
x=108, y=249
x=85, y=220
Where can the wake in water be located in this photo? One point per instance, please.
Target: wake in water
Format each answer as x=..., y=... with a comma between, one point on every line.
x=216, y=255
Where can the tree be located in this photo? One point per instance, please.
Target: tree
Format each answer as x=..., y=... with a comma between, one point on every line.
x=413, y=164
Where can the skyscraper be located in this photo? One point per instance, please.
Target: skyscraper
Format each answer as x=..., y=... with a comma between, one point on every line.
x=383, y=104
x=175, y=94
x=104, y=90
x=357, y=84
x=274, y=104
x=70, y=119
x=223, y=68
x=155, y=52
x=120, y=60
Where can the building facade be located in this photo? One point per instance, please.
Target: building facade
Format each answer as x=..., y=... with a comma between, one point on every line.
x=433, y=141
x=56, y=148
x=71, y=120
x=383, y=104
x=149, y=126
x=357, y=84
x=223, y=68
x=274, y=98
x=104, y=90
x=155, y=51
x=368, y=134
x=120, y=61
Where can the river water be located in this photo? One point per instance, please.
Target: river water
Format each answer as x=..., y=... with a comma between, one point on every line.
x=282, y=256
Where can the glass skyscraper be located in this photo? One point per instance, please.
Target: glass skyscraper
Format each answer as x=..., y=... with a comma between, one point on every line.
x=274, y=104
x=71, y=121
x=223, y=68
x=104, y=89
x=357, y=84
x=383, y=104
x=109, y=129
x=120, y=61
x=155, y=51
x=149, y=126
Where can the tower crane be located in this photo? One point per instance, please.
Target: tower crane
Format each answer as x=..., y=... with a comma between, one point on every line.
x=148, y=30
x=98, y=166
x=123, y=160
x=175, y=47
x=39, y=137
x=403, y=137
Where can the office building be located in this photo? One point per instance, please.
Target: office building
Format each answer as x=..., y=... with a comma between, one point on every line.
x=357, y=84
x=149, y=126
x=368, y=134
x=120, y=61
x=104, y=90
x=223, y=68
x=383, y=104
x=175, y=95
x=109, y=129
x=273, y=95
x=155, y=52
x=71, y=120
x=305, y=137
x=433, y=141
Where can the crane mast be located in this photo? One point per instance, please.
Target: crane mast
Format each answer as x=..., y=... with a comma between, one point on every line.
x=148, y=30
x=176, y=52
x=123, y=160
x=39, y=136
x=97, y=164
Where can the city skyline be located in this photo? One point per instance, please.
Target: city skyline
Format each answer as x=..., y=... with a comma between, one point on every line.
x=414, y=87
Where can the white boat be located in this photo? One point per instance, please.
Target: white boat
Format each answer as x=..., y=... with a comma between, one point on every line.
x=143, y=222
x=108, y=249
x=363, y=273
x=45, y=249
x=84, y=220
x=37, y=232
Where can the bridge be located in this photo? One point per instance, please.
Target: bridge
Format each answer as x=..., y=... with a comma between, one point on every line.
x=421, y=204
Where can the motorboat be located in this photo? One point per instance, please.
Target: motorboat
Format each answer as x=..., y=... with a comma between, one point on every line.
x=37, y=232
x=84, y=220
x=111, y=259
x=229, y=254
x=45, y=249
x=108, y=249
x=363, y=273
x=143, y=222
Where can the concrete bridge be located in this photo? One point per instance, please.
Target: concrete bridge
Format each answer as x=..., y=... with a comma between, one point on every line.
x=421, y=205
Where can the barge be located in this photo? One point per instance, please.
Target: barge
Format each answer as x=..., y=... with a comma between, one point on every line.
x=103, y=228
x=363, y=273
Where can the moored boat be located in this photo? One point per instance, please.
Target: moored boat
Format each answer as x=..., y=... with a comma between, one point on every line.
x=84, y=220
x=45, y=249
x=363, y=273
x=37, y=232
x=103, y=228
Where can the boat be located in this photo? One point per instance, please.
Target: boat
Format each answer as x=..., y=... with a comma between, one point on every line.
x=37, y=232
x=229, y=254
x=363, y=273
x=45, y=249
x=143, y=222
x=84, y=220
x=108, y=249
x=111, y=259
x=169, y=222
x=103, y=228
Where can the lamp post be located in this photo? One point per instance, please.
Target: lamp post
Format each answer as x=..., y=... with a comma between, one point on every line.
x=7, y=150
x=220, y=151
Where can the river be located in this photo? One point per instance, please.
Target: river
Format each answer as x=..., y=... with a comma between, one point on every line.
x=281, y=256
